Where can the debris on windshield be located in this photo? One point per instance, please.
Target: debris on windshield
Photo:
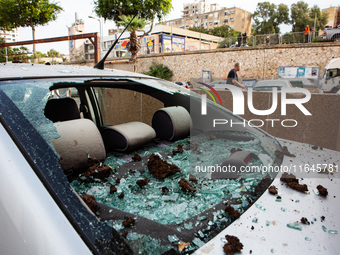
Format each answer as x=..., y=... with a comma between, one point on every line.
x=233, y=150
x=284, y=152
x=96, y=170
x=233, y=245
x=181, y=246
x=136, y=157
x=305, y=221
x=295, y=225
x=333, y=232
x=113, y=189
x=322, y=190
x=272, y=190
x=128, y=222
x=232, y=212
x=192, y=178
x=293, y=183
x=179, y=149
x=278, y=199
x=141, y=183
x=323, y=218
x=161, y=168
x=91, y=202
x=121, y=195
x=186, y=186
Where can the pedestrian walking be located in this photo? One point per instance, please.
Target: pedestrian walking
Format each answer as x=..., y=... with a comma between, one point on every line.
x=233, y=77
x=239, y=39
x=245, y=39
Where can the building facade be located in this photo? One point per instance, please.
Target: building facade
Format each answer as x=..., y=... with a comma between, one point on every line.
x=194, y=16
x=76, y=47
x=162, y=39
x=10, y=36
x=333, y=16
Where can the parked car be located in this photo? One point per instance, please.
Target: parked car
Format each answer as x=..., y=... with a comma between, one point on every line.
x=268, y=85
x=330, y=78
x=120, y=168
x=182, y=83
x=330, y=34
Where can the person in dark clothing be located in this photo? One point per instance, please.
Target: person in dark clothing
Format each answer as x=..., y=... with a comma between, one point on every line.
x=245, y=39
x=239, y=40
x=233, y=78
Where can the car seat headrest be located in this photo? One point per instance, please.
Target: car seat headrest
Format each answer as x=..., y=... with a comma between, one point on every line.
x=172, y=123
x=78, y=140
x=127, y=136
x=62, y=109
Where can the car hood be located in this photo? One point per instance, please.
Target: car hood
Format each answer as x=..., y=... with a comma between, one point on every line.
x=263, y=228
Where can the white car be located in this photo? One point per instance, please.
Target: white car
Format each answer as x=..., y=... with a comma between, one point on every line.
x=268, y=85
x=128, y=165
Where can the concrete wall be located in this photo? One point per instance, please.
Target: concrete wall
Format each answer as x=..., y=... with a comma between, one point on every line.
x=257, y=62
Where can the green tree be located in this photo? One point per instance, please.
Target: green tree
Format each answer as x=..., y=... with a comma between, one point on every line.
x=223, y=31
x=199, y=29
x=160, y=71
x=3, y=52
x=137, y=24
x=147, y=11
x=302, y=15
x=52, y=53
x=268, y=17
x=27, y=13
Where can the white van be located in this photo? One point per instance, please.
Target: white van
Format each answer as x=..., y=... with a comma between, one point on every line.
x=330, y=79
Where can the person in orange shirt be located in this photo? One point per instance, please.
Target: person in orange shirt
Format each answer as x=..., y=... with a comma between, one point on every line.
x=307, y=33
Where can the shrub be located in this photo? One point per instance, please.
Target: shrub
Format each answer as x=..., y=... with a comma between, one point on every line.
x=160, y=71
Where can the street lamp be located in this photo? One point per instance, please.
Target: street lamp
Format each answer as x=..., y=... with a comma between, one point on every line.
x=101, y=34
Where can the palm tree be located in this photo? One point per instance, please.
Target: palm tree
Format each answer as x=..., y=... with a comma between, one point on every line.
x=136, y=25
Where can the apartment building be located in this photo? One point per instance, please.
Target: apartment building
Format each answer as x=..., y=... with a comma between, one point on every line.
x=195, y=15
x=333, y=16
x=10, y=36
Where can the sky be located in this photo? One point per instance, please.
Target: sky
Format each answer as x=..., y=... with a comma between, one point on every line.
x=85, y=8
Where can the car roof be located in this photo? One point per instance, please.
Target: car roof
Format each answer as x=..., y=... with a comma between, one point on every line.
x=334, y=63
x=271, y=83
x=23, y=71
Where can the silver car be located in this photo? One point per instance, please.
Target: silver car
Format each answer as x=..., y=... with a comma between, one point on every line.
x=124, y=163
x=268, y=85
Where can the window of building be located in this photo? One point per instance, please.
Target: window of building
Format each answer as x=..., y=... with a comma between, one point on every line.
x=183, y=21
x=225, y=21
x=216, y=22
x=226, y=13
x=205, y=23
x=231, y=19
x=175, y=22
x=216, y=14
x=206, y=16
x=210, y=22
x=210, y=15
x=187, y=26
x=181, y=27
x=232, y=11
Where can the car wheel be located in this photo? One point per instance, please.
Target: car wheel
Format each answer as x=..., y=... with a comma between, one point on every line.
x=336, y=38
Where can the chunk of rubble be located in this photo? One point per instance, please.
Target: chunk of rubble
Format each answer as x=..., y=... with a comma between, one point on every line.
x=128, y=222
x=186, y=186
x=272, y=190
x=160, y=168
x=284, y=152
x=96, y=170
x=136, y=157
x=142, y=182
x=233, y=150
x=293, y=183
x=234, y=214
x=91, y=202
x=179, y=149
x=233, y=245
x=192, y=178
x=181, y=246
x=305, y=221
x=322, y=190
x=113, y=189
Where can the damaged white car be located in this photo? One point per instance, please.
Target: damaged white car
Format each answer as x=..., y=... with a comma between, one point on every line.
x=112, y=162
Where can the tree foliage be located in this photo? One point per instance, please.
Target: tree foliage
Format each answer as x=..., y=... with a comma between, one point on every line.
x=52, y=53
x=147, y=9
x=302, y=15
x=122, y=11
x=268, y=17
x=27, y=13
x=160, y=71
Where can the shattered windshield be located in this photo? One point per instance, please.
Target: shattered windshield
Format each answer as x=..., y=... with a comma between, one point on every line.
x=167, y=190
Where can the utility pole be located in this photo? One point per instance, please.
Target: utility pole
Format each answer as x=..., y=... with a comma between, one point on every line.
x=314, y=24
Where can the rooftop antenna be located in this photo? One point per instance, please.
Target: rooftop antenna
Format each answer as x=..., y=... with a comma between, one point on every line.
x=100, y=64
